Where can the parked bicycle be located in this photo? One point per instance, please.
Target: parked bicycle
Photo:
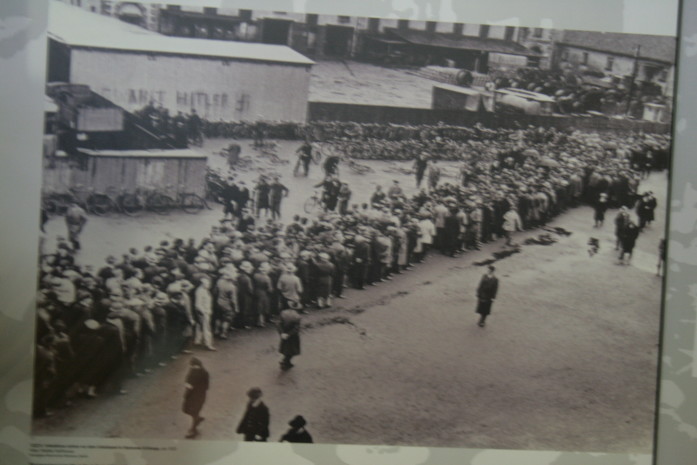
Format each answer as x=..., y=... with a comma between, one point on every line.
x=135, y=203
x=188, y=201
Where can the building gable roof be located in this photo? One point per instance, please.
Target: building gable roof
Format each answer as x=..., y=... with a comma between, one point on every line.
x=456, y=41
x=658, y=48
x=78, y=28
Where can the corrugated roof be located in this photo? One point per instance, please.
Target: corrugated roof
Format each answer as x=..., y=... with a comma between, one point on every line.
x=436, y=39
x=173, y=153
x=659, y=48
x=79, y=28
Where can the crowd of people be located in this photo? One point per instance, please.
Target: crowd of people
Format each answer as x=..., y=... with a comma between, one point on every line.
x=178, y=131
x=99, y=326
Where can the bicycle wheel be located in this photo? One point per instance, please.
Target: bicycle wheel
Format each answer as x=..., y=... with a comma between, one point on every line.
x=100, y=204
x=311, y=205
x=191, y=203
x=160, y=203
x=131, y=204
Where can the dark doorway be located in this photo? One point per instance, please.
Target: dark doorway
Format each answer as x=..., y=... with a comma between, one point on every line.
x=337, y=41
x=276, y=31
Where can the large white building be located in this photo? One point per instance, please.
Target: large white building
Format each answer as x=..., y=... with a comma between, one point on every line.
x=131, y=66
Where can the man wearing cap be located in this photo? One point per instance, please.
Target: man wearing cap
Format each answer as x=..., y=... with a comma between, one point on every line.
x=254, y=424
x=276, y=193
x=245, y=295
x=395, y=191
x=486, y=293
x=290, y=287
x=325, y=273
x=75, y=220
x=226, y=300
x=599, y=209
x=289, y=331
x=203, y=306
x=420, y=165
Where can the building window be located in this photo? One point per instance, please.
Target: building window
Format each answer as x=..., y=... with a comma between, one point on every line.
x=312, y=20
x=431, y=26
x=210, y=11
x=245, y=15
x=344, y=19
x=174, y=7
x=609, y=63
x=510, y=31
x=374, y=25
x=585, y=58
x=403, y=24
x=537, y=33
x=458, y=28
x=484, y=31
x=565, y=55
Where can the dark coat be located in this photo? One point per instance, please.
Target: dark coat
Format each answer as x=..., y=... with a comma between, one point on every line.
x=195, y=397
x=289, y=323
x=255, y=421
x=294, y=435
x=486, y=293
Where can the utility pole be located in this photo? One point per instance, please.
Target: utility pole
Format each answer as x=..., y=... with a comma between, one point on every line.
x=635, y=70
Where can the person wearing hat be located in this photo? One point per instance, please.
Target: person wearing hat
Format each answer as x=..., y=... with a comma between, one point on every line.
x=276, y=193
x=297, y=431
x=75, y=220
x=196, y=386
x=254, y=424
x=621, y=221
x=420, y=165
x=289, y=331
x=263, y=287
x=289, y=287
x=226, y=300
x=203, y=307
x=486, y=293
x=247, y=315
x=511, y=223
x=325, y=271
x=344, y=198
x=599, y=209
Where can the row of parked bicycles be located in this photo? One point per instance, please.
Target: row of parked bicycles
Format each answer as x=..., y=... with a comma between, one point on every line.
x=115, y=201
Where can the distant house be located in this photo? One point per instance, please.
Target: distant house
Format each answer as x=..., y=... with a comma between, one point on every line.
x=651, y=59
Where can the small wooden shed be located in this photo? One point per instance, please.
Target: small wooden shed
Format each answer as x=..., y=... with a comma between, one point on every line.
x=173, y=171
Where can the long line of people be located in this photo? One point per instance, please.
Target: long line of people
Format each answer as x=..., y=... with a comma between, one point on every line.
x=97, y=327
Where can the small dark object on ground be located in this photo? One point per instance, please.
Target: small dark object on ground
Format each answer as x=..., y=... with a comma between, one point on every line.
x=542, y=239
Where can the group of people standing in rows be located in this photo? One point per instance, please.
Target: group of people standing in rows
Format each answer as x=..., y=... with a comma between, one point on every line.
x=98, y=327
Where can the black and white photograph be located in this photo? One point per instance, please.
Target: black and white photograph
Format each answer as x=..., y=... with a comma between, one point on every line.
x=267, y=226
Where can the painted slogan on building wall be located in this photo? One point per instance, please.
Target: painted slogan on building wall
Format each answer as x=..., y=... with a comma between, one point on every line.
x=206, y=102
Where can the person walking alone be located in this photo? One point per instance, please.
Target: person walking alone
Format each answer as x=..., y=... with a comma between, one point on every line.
x=197, y=382
x=486, y=293
x=254, y=424
x=289, y=331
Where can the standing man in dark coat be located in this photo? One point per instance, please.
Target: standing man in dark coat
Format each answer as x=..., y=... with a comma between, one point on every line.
x=197, y=381
x=255, y=422
x=486, y=293
x=289, y=330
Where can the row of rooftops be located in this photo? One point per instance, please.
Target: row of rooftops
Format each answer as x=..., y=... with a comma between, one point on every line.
x=78, y=28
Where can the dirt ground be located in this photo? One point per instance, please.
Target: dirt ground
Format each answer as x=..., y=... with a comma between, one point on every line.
x=567, y=360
